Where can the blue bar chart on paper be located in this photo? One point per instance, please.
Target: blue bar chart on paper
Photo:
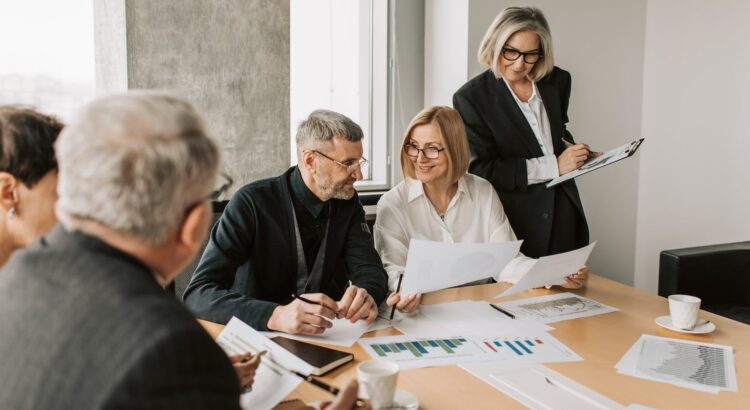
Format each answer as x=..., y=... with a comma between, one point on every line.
x=420, y=348
x=527, y=348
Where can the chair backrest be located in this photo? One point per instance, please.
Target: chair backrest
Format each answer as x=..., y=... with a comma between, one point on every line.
x=718, y=274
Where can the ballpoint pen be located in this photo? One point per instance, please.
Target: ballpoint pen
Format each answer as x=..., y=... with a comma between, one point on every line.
x=569, y=143
x=310, y=379
x=503, y=311
x=312, y=302
x=398, y=288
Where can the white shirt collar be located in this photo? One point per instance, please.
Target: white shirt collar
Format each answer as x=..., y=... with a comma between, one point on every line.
x=534, y=93
x=415, y=189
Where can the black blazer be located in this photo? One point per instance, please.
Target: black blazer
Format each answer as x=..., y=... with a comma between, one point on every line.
x=86, y=326
x=501, y=140
x=249, y=266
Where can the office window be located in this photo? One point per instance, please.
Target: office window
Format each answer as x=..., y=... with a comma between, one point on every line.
x=339, y=62
x=47, y=55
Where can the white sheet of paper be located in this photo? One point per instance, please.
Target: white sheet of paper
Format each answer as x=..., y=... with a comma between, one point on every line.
x=411, y=352
x=555, y=308
x=465, y=317
x=539, y=387
x=592, y=164
x=343, y=333
x=682, y=363
x=437, y=265
x=551, y=270
x=271, y=385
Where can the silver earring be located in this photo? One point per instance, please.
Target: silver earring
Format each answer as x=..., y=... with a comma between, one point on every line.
x=11, y=214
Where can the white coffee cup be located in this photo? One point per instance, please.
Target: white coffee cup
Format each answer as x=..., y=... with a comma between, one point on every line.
x=684, y=310
x=377, y=382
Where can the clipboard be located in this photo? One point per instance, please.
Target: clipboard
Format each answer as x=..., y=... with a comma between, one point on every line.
x=609, y=157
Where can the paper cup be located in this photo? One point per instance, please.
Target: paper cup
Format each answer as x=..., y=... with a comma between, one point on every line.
x=377, y=382
x=683, y=310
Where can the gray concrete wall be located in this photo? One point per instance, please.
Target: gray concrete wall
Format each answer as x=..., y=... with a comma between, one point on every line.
x=229, y=58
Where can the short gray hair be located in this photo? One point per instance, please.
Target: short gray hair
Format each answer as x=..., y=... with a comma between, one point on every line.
x=510, y=21
x=322, y=126
x=134, y=162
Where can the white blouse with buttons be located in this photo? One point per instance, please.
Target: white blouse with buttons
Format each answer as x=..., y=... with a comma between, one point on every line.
x=543, y=168
x=474, y=215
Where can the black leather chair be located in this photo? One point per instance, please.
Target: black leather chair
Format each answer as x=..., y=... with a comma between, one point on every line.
x=718, y=274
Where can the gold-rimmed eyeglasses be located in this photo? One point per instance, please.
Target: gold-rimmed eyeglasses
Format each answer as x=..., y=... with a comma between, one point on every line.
x=351, y=166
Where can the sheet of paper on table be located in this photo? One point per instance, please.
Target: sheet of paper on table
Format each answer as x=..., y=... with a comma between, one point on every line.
x=539, y=387
x=465, y=317
x=343, y=333
x=271, y=384
x=551, y=270
x=411, y=352
x=555, y=308
x=694, y=365
x=433, y=266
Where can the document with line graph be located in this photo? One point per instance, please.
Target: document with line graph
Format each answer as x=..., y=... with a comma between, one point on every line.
x=557, y=307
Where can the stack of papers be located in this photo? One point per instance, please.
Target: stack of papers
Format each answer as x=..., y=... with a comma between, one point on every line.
x=693, y=365
x=555, y=308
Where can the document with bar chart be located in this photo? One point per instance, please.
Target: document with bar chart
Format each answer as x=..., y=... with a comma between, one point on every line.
x=413, y=352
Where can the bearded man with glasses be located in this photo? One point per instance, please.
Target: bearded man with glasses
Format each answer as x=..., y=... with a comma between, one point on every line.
x=292, y=253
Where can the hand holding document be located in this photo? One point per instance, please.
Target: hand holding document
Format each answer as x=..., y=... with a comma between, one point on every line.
x=551, y=270
x=272, y=383
x=599, y=161
x=436, y=265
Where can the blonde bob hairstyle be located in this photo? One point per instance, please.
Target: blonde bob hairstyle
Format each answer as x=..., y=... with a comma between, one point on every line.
x=450, y=126
x=510, y=21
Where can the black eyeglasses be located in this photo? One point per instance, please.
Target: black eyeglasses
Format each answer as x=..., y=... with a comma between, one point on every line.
x=226, y=182
x=350, y=166
x=428, y=152
x=530, y=57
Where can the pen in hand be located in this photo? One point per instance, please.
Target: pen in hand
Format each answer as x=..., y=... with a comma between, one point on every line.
x=569, y=143
x=312, y=302
x=398, y=288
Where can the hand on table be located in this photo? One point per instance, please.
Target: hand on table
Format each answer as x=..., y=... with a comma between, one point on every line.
x=302, y=317
x=356, y=304
x=245, y=365
x=407, y=304
x=346, y=399
x=578, y=279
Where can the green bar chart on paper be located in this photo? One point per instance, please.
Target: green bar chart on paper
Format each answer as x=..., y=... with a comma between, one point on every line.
x=422, y=350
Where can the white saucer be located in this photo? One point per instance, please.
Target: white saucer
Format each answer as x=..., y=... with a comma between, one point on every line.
x=405, y=400
x=666, y=322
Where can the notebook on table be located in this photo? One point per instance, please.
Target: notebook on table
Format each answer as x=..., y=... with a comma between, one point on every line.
x=321, y=358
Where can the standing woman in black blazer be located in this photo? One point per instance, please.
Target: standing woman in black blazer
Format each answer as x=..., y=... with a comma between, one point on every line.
x=515, y=114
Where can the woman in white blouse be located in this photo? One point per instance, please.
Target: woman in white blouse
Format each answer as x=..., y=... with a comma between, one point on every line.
x=439, y=201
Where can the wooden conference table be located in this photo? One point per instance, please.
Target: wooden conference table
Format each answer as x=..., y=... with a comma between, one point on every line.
x=601, y=340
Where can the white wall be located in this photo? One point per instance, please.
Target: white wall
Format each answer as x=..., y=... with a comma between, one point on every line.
x=601, y=44
x=446, y=32
x=694, y=186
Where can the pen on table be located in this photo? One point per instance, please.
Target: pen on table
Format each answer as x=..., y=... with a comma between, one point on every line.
x=398, y=288
x=315, y=382
x=503, y=311
x=247, y=359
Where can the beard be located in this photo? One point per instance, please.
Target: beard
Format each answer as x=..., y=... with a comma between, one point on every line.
x=336, y=190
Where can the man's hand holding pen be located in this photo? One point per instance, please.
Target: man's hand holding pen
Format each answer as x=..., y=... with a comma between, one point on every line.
x=310, y=313
x=574, y=156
